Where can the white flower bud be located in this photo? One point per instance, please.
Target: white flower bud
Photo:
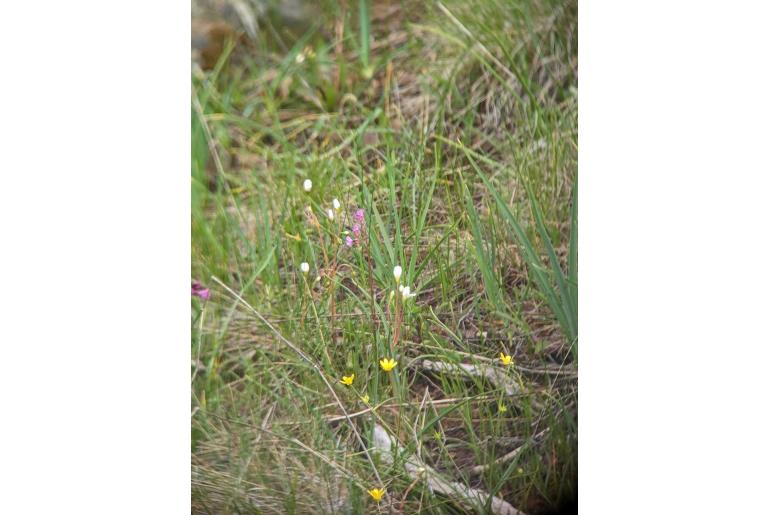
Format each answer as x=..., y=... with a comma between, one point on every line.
x=308, y=184
x=336, y=204
x=330, y=214
x=397, y=272
x=304, y=267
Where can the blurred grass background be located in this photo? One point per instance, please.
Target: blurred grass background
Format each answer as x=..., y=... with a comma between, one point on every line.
x=453, y=125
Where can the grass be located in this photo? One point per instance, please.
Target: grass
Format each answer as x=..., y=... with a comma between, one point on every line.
x=454, y=127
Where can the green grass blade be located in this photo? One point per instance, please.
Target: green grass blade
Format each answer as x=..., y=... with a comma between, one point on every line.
x=365, y=30
x=531, y=257
x=572, y=259
x=569, y=308
x=488, y=276
x=420, y=226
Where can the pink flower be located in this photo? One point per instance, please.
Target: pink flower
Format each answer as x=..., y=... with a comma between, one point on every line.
x=199, y=291
x=357, y=229
x=359, y=215
x=348, y=241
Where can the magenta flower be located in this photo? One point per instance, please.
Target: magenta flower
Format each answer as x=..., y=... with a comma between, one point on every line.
x=359, y=216
x=348, y=241
x=357, y=229
x=199, y=291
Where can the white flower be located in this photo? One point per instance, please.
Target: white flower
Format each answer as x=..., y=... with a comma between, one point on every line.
x=406, y=293
x=304, y=267
x=330, y=214
x=401, y=288
x=397, y=273
x=336, y=204
x=308, y=184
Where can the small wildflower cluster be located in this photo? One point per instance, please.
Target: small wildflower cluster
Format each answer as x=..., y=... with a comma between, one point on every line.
x=352, y=236
x=405, y=291
x=331, y=211
x=199, y=291
x=348, y=381
x=358, y=223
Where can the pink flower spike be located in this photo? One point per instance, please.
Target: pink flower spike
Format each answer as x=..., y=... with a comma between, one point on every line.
x=359, y=215
x=348, y=241
x=197, y=290
x=356, y=229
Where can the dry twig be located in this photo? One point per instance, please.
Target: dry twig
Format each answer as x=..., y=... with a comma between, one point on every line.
x=466, y=496
x=494, y=375
x=478, y=469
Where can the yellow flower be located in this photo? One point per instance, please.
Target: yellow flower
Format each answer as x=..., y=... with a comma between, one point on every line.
x=506, y=359
x=502, y=408
x=365, y=398
x=376, y=493
x=388, y=364
x=348, y=380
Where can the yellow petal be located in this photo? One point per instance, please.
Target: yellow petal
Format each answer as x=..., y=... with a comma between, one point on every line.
x=388, y=364
x=376, y=493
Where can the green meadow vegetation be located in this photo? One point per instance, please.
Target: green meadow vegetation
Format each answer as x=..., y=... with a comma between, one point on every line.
x=447, y=133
